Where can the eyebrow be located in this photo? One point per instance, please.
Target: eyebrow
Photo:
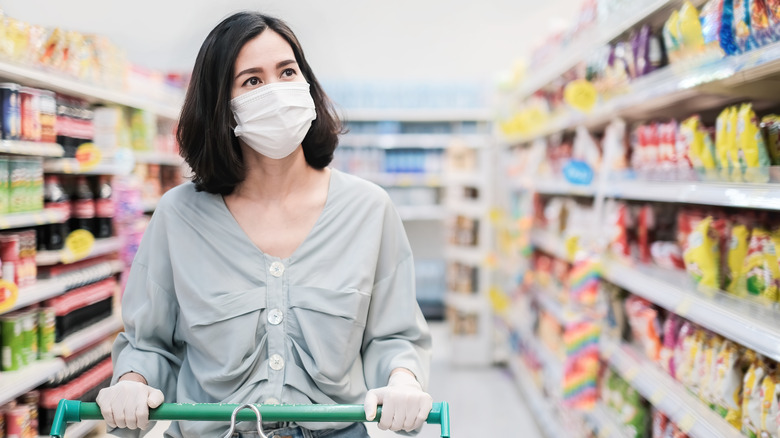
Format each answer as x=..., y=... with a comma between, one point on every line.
x=279, y=65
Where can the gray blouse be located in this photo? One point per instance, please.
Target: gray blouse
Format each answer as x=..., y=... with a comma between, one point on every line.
x=210, y=318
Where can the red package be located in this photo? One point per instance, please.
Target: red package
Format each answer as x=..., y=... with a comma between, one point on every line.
x=645, y=226
x=667, y=144
x=645, y=326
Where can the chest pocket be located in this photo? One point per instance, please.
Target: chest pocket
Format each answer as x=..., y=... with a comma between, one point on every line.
x=226, y=332
x=328, y=325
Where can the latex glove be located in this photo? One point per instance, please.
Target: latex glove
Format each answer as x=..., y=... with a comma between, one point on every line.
x=126, y=404
x=405, y=406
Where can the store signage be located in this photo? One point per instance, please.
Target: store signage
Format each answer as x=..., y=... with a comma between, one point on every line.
x=9, y=292
x=578, y=172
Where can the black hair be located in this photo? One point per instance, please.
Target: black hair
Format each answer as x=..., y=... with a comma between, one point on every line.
x=205, y=132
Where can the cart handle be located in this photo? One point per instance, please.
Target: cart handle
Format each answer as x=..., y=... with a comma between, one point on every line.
x=73, y=411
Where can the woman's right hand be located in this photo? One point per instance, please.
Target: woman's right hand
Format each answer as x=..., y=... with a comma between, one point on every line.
x=126, y=404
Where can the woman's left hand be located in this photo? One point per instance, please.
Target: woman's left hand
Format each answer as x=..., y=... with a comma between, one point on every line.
x=405, y=406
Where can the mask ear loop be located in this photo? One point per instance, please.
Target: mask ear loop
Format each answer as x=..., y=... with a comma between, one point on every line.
x=233, y=420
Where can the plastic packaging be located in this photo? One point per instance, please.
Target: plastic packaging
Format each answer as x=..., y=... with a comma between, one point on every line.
x=751, y=395
x=702, y=257
x=761, y=268
x=736, y=254
x=728, y=384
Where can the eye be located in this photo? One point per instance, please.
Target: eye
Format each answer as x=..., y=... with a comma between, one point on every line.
x=253, y=81
x=288, y=73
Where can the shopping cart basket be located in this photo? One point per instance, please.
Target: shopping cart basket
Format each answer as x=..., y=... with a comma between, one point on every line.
x=72, y=411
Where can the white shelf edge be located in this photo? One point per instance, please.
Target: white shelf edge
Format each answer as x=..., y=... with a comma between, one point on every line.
x=561, y=187
x=37, y=149
x=16, y=383
x=464, y=179
x=101, y=247
x=422, y=212
x=605, y=422
x=764, y=196
x=418, y=115
x=88, y=336
x=164, y=159
x=31, y=219
x=57, y=81
x=414, y=141
x=668, y=395
x=553, y=307
x=463, y=301
x=71, y=166
x=750, y=324
x=471, y=209
x=42, y=290
x=392, y=179
x=549, y=243
x=543, y=410
x=473, y=256
x=149, y=206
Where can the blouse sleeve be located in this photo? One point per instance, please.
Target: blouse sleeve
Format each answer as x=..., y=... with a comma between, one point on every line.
x=396, y=334
x=149, y=312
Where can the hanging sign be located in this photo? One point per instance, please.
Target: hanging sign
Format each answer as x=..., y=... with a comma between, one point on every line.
x=580, y=95
x=78, y=246
x=88, y=156
x=578, y=172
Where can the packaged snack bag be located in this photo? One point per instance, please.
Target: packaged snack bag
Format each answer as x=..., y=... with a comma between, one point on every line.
x=672, y=36
x=645, y=228
x=684, y=353
x=690, y=29
x=722, y=142
x=770, y=390
x=732, y=144
x=751, y=147
x=698, y=352
x=667, y=144
x=708, y=368
x=671, y=328
x=702, y=256
x=770, y=125
x=711, y=18
x=728, y=384
x=741, y=24
x=667, y=255
x=645, y=326
x=761, y=270
x=659, y=424
x=701, y=149
x=760, y=29
x=737, y=252
x=641, y=45
x=751, y=395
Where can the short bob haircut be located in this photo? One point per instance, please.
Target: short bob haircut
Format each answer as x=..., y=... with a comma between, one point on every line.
x=205, y=132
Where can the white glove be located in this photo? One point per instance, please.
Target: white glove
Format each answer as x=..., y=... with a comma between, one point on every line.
x=404, y=404
x=126, y=404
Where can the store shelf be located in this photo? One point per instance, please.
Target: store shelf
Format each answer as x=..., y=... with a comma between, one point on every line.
x=149, y=206
x=419, y=115
x=33, y=219
x=716, y=83
x=749, y=323
x=164, y=159
x=422, y=212
x=549, y=304
x=15, y=383
x=586, y=44
x=543, y=409
x=88, y=336
x=473, y=179
x=468, y=255
x=50, y=288
x=470, y=209
x=101, y=247
x=549, y=243
x=413, y=141
x=33, y=148
x=403, y=179
x=60, y=83
x=561, y=187
x=466, y=302
x=552, y=364
x=668, y=395
x=603, y=421
x=72, y=166
x=743, y=195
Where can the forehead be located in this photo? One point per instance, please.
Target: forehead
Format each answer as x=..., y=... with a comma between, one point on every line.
x=268, y=47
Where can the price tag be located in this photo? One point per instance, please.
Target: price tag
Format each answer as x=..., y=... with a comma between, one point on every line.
x=88, y=156
x=39, y=219
x=4, y=223
x=657, y=396
x=78, y=245
x=9, y=292
x=631, y=374
x=686, y=423
x=572, y=246
x=683, y=307
x=580, y=95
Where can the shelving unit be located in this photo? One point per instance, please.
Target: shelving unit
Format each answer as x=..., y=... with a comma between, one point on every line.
x=544, y=412
x=36, y=149
x=410, y=213
x=669, y=396
x=71, y=166
x=88, y=336
x=605, y=424
x=22, y=220
x=739, y=195
x=100, y=248
x=15, y=383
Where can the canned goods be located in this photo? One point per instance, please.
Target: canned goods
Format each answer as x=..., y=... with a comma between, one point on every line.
x=10, y=246
x=32, y=400
x=31, y=114
x=46, y=332
x=17, y=170
x=11, y=330
x=29, y=337
x=10, y=111
x=48, y=106
x=5, y=186
x=17, y=422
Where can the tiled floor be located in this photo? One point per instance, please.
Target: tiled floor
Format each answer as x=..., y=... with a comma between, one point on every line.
x=484, y=402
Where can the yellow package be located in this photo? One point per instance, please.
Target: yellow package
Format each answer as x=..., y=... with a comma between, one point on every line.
x=761, y=269
x=707, y=390
x=769, y=405
x=732, y=144
x=701, y=150
x=771, y=126
x=702, y=258
x=672, y=36
x=728, y=384
x=737, y=253
x=684, y=353
x=751, y=396
x=752, y=152
x=721, y=143
x=698, y=353
x=690, y=29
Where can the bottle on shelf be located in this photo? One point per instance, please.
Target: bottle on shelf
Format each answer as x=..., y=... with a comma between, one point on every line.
x=55, y=198
x=104, y=208
x=83, y=206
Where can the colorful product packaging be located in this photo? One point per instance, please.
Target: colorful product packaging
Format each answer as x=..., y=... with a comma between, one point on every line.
x=761, y=269
x=17, y=170
x=770, y=125
x=5, y=199
x=770, y=391
x=46, y=332
x=11, y=111
x=702, y=256
x=728, y=384
x=11, y=328
x=751, y=395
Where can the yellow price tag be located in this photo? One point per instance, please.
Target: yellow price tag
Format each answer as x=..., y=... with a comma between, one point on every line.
x=496, y=215
x=631, y=374
x=499, y=299
x=78, y=245
x=683, y=307
x=657, y=396
x=9, y=292
x=686, y=423
x=572, y=245
x=580, y=95
x=88, y=156
x=4, y=223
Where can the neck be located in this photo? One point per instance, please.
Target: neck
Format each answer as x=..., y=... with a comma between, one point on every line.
x=268, y=179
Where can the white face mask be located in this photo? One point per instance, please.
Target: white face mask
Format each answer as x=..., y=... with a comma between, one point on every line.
x=274, y=119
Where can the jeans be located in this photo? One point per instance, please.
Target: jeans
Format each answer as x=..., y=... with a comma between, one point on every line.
x=357, y=430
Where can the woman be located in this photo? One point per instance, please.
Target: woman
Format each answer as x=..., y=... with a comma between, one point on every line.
x=270, y=278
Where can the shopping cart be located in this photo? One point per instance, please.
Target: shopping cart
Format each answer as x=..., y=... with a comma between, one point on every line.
x=73, y=411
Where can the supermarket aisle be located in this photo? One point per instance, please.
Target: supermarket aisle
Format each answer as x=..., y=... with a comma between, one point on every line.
x=483, y=402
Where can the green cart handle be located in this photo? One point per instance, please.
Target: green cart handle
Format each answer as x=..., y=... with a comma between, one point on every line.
x=73, y=411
